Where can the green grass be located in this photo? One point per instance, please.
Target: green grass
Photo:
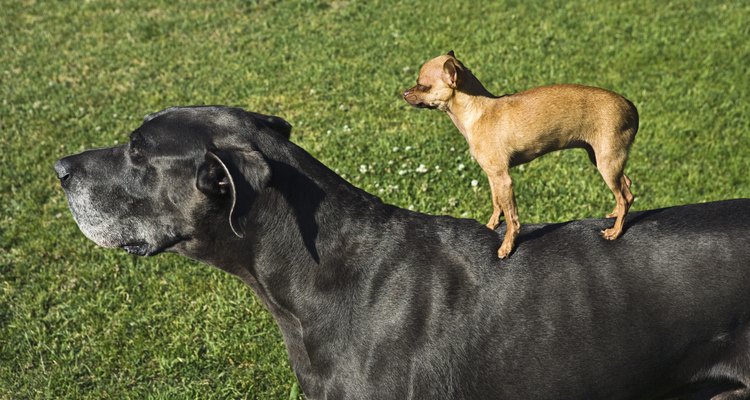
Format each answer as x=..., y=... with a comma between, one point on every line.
x=77, y=321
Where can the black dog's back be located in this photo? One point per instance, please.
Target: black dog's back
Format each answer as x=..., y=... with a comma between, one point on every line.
x=672, y=294
x=568, y=308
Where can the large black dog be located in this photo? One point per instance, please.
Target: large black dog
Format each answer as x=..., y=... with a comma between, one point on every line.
x=377, y=302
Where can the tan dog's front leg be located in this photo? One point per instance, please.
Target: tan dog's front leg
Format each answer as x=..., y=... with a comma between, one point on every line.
x=503, y=186
x=497, y=208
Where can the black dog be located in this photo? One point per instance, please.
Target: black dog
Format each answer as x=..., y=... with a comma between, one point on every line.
x=377, y=302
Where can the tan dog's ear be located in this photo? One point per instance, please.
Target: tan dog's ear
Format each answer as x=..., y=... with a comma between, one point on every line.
x=450, y=72
x=450, y=53
x=237, y=173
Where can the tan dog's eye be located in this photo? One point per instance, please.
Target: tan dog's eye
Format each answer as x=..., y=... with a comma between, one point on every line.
x=422, y=88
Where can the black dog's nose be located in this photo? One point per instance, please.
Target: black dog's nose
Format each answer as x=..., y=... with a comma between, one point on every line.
x=62, y=168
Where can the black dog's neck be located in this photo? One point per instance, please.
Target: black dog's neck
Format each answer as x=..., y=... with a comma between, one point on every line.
x=301, y=254
x=297, y=244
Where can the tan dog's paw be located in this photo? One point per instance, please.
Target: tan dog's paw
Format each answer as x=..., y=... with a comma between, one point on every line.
x=494, y=220
x=611, y=233
x=504, y=250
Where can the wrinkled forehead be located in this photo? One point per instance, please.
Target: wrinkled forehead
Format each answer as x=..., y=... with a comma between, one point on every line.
x=433, y=70
x=197, y=126
x=218, y=123
x=221, y=116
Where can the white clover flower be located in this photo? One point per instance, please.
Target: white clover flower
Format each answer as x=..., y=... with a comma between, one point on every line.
x=407, y=148
x=421, y=169
x=474, y=182
x=461, y=167
x=402, y=172
x=363, y=169
x=394, y=149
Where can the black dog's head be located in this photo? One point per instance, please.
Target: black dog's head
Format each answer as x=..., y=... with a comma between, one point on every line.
x=182, y=167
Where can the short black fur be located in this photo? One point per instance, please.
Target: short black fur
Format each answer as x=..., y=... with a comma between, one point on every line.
x=378, y=302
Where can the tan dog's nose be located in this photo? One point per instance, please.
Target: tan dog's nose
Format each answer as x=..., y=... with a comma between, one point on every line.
x=407, y=92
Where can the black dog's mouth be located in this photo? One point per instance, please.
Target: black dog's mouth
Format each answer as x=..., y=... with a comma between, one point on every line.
x=141, y=248
x=137, y=248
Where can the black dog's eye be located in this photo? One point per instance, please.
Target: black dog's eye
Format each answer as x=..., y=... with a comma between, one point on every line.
x=135, y=137
x=135, y=147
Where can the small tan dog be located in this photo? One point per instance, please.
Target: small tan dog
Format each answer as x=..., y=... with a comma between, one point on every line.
x=506, y=131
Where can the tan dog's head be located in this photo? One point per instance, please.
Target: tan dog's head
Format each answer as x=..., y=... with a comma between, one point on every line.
x=436, y=83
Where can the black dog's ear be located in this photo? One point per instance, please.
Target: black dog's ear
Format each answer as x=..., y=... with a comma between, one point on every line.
x=450, y=53
x=450, y=72
x=151, y=116
x=276, y=124
x=212, y=178
x=238, y=173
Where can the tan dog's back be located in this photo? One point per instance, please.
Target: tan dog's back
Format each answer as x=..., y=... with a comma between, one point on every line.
x=582, y=115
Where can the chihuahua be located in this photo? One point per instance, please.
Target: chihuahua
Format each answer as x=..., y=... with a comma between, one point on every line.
x=505, y=131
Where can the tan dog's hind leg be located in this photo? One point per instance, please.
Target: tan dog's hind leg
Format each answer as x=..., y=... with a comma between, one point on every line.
x=497, y=208
x=628, y=195
x=503, y=186
x=611, y=166
x=626, y=182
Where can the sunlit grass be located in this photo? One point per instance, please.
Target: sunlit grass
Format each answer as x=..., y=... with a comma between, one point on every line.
x=78, y=321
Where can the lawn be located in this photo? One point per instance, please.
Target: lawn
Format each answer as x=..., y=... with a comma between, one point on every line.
x=77, y=321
